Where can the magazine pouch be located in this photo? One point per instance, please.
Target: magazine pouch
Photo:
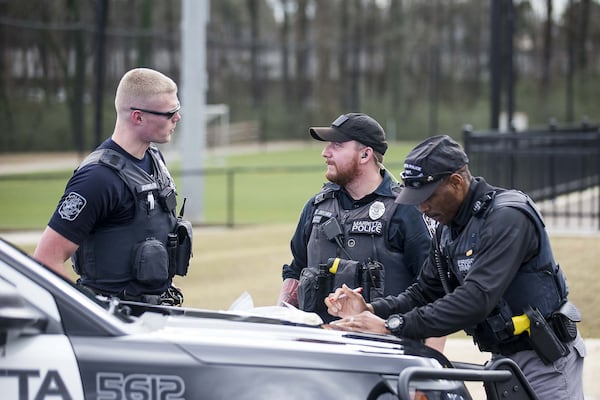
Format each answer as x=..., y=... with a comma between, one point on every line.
x=564, y=321
x=307, y=290
x=345, y=272
x=150, y=261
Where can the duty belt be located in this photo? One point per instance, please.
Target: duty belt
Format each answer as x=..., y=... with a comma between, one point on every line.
x=171, y=297
x=506, y=349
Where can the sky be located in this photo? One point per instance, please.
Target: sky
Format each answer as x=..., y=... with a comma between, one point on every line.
x=558, y=7
x=539, y=6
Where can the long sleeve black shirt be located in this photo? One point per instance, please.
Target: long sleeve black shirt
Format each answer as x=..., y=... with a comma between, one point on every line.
x=508, y=239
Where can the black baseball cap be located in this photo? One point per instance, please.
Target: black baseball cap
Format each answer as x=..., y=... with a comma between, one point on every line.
x=353, y=126
x=425, y=166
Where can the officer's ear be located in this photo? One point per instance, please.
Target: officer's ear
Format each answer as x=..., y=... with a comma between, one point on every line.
x=135, y=116
x=458, y=183
x=364, y=153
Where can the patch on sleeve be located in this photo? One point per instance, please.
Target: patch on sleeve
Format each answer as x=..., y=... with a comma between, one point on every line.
x=72, y=206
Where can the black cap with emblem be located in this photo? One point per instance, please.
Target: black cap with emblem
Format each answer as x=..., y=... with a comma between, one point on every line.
x=426, y=165
x=353, y=126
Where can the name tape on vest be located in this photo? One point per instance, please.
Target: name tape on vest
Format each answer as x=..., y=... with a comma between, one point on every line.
x=367, y=227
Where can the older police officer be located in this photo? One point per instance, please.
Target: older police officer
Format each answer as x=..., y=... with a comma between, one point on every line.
x=492, y=270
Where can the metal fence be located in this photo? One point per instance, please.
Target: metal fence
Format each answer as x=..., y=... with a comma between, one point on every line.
x=558, y=167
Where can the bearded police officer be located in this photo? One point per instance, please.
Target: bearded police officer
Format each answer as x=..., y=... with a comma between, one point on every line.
x=490, y=272
x=352, y=227
x=117, y=217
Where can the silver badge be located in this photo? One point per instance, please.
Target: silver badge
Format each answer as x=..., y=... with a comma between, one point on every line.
x=72, y=206
x=376, y=210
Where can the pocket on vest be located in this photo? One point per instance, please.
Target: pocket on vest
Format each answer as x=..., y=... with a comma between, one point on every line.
x=150, y=261
x=348, y=272
x=307, y=290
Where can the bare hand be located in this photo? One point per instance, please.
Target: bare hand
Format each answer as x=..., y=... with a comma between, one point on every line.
x=345, y=302
x=366, y=321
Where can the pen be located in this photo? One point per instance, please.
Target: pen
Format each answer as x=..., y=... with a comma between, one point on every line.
x=355, y=290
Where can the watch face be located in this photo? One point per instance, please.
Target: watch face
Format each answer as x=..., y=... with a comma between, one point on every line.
x=394, y=322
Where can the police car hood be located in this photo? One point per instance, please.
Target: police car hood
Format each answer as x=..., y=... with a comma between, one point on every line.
x=223, y=337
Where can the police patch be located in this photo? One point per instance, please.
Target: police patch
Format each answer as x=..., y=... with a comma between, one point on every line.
x=464, y=265
x=367, y=227
x=72, y=206
x=376, y=210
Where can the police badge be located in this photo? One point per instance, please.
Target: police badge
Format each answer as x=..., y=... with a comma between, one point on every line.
x=376, y=210
x=72, y=206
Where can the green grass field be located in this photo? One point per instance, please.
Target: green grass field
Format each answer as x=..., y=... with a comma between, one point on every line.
x=249, y=257
x=268, y=187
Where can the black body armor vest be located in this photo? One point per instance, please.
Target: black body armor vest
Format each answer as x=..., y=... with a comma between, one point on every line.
x=359, y=237
x=364, y=234
x=539, y=283
x=131, y=260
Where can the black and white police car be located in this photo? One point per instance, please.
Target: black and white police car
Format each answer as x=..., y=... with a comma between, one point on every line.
x=58, y=342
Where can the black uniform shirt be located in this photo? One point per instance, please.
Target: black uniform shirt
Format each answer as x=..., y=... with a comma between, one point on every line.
x=95, y=196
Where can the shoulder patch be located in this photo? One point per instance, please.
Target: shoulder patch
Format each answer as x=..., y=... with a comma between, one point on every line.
x=72, y=206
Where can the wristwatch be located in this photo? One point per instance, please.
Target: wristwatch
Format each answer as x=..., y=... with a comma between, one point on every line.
x=395, y=323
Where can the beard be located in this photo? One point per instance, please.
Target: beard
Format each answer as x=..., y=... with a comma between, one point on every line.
x=343, y=175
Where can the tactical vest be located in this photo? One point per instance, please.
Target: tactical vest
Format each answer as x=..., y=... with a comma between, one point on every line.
x=131, y=260
x=539, y=283
x=364, y=234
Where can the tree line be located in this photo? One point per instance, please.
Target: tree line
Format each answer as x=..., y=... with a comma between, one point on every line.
x=420, y=67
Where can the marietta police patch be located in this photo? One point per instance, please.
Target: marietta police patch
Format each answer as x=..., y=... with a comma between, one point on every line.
x=72, y=206
x=367, y=227
x=376, y=210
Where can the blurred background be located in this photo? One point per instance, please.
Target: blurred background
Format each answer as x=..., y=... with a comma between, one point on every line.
x=275, y=67
x=515, y=80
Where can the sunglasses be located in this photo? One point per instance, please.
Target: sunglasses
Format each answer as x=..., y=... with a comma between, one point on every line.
x=168, y=114
x=417, y=182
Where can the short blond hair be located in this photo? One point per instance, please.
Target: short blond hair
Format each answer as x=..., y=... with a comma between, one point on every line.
x=139, y=86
